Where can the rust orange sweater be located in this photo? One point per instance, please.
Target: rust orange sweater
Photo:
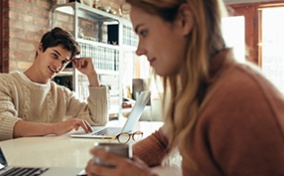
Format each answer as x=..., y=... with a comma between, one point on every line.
x=240, y=130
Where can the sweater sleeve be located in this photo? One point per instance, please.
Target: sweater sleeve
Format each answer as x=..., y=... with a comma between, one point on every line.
x=95, y=111
x=8, y=112
x=152, y=149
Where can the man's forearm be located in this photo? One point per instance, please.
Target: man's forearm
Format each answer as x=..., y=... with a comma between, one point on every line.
x=23, y=129
x=93, y=80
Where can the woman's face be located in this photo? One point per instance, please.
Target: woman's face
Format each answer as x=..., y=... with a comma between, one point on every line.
x=163, y=43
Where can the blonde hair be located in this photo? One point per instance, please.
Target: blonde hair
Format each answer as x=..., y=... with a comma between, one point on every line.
x=188, y=88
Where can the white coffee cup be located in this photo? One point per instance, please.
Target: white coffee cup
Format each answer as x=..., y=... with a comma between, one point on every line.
x=120, y=149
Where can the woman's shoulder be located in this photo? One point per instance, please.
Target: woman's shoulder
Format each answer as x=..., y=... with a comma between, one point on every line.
x=235, y=79
x=241, y=88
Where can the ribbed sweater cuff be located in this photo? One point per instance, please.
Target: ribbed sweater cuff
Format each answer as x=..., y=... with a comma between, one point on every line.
x=152, y=149
x=98, y=97
x=97, y=90
x=7, y=128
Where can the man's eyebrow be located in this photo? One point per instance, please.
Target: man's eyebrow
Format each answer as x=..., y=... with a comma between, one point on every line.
x=57, y=52
x=68, y=60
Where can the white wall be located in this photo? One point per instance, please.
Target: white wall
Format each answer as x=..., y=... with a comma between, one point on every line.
x=243, y=1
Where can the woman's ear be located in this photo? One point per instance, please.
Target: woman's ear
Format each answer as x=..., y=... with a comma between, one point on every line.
x=185, y=18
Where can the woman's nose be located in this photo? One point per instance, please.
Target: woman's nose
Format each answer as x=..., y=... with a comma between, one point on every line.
x=140, y=50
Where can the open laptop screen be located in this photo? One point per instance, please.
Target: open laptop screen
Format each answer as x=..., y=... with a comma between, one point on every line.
x=3, y=161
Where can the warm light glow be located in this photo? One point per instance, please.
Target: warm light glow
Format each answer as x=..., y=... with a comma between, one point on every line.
x=273, y=45
x=234, y=34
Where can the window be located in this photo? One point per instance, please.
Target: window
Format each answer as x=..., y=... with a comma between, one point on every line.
x=264, y=36
x=234, y=33
x=273, y=45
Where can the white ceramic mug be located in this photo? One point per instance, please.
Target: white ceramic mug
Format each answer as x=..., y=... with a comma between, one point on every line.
x=123, y=150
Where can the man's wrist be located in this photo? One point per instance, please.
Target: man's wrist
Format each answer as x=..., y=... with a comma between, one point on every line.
x=93, y=80
x=50, y=128
x=152, y=174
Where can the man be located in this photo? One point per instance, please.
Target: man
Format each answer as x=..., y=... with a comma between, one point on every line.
x=33, y=105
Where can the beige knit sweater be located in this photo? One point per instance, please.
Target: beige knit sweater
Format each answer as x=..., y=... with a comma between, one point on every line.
x=22, y=99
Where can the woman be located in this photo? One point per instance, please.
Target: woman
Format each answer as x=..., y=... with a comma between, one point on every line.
x=224, y=117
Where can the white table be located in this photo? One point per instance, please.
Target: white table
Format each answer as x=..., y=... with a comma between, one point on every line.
x=61, y=151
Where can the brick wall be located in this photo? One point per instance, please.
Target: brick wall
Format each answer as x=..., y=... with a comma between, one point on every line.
x=1, y=35
x=25, y=21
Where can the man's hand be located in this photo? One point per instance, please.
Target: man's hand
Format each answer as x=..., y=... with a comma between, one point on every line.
x=85, y=66
x=70, y=124
x=24, y=129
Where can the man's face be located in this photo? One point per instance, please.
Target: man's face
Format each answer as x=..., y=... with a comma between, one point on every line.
x=51, y=61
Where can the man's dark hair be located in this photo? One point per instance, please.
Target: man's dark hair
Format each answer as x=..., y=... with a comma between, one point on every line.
x=58, y=36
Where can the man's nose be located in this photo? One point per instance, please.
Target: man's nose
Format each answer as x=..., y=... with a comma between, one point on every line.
x=57, y=64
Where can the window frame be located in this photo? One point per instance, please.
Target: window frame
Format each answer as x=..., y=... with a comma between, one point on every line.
x=253, y=32
x=1, y=36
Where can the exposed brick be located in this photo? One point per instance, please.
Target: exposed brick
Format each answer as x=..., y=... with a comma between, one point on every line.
x=25, y=21
x=37, y=11
x=26, y=18
x=13, y=15
x=25, y=46
x=18, y=55
x=24, y=65
x=62, y=17
x=37, y=38
x=41, y=21
x=32, y=36
x=67, y=27
x=44, y=4
x=32, y=28
x=46, y=13
x=30, y=1
x=29, y=36
x=58, y=24
x=12, y=44
x=18, y=6
x=13, y=63
x=30, y=56
x=17, y=34
x=17, y=24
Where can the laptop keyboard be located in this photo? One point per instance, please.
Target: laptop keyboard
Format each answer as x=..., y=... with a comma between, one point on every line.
x=108, y=131
x=22, y=171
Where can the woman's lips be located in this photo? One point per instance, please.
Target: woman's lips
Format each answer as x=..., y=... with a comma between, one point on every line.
x=151, y=61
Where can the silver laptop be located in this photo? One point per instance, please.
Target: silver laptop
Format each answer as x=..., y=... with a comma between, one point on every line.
x=6, y=170
x=129, y=126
